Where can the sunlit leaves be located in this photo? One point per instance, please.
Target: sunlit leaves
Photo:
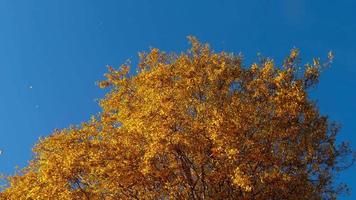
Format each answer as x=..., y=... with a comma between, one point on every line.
x=198, y=125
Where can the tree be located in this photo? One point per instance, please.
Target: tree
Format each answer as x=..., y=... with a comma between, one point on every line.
x=198, y=125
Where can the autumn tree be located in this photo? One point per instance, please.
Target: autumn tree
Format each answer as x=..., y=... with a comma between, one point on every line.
x=195, y=125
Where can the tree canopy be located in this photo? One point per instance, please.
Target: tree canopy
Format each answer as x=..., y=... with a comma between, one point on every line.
x=194, y=125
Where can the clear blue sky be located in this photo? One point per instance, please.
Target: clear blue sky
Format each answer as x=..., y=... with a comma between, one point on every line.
x=61, y=47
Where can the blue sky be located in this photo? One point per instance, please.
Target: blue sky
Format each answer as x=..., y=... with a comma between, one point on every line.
x=53, y=52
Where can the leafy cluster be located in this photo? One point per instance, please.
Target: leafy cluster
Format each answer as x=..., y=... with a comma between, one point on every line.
x=198, y=125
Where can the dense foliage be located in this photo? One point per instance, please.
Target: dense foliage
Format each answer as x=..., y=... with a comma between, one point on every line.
x=195, y=125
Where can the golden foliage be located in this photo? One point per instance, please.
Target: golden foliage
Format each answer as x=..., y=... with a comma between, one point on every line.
x=198, y=125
